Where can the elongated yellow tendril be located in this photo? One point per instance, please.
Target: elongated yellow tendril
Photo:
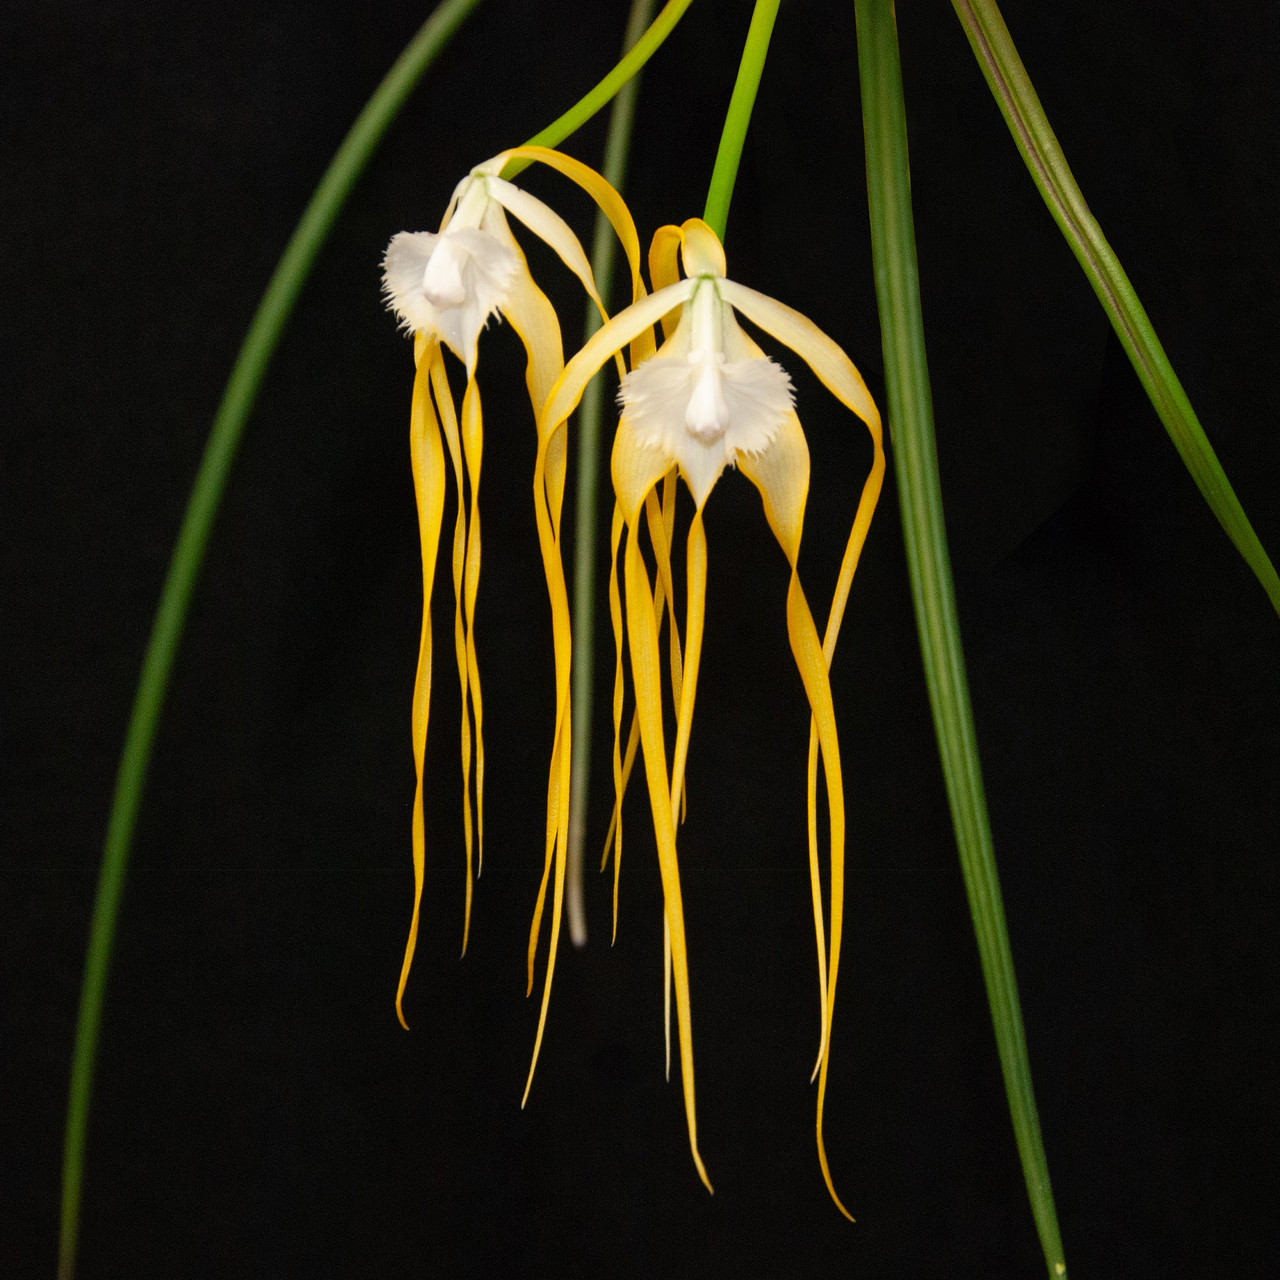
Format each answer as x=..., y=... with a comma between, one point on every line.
x=695, y=616
x=553, y=568
x=449, y=423
x=817, y=685
x=645, y=672
x=427, y=460
x=661, y=531
x=614, y=838
x=852, y=553
x=473, y=449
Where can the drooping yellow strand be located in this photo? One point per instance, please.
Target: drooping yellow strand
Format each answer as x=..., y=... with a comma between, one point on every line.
x=661, y=530
x=848, y=566
x=558, y=786
x=815, y=886
x=449, y=422
x=685, y=694
x=614, y=838
x=664, y=269
x=562, y=756
x=427, y=460
x=666, y=989
x=695, y=618
x=473, y=450
x=813, y=671
x=646, y=674
x=661, y=522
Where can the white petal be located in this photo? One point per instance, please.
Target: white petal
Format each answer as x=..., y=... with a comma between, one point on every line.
x=759, y=395
x=707, y=415
x=655, y=397
x=402, y=268
x=701, y=465
x=448, y=284
x=673, y=403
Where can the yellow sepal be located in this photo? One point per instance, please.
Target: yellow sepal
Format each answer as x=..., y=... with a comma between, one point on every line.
x=427, y=460
x=642, y=635
x=449, y=423
x=473, y=449
x=664, y=269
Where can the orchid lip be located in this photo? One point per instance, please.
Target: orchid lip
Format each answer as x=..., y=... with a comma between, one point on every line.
x=442, y=277
x=707, y=414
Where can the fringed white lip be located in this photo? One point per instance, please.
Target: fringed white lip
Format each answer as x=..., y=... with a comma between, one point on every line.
x=698, y=406
x=450, y=283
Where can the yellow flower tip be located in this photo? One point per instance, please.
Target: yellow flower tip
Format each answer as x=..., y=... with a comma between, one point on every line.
x=701, y=250
x=702, y=1172
x=400, y=1014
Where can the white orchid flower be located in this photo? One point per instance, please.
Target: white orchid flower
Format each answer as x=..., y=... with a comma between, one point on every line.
x=445, y=287
x=708, y=400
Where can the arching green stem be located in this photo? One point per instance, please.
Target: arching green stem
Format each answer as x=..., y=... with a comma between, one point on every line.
x=582, y=110
x=738, y=117
x=220, y=450
x=1020, y=106
x=933, y=593
x=585, y=548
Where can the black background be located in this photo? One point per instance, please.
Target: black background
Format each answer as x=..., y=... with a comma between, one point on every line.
x=258, y=1109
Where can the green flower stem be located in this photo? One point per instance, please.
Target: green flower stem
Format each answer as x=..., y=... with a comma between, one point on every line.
x=1007, y=79
x=582, y=111
x=738, y=117
x=920, y=497
x=224, y=438
x=590, y=413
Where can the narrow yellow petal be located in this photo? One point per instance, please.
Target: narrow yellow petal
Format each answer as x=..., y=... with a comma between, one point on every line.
x=700, y=249
x=529, y=312
x=695, y=617
x=598, y=189
x=427, y=459
x=636, y=468
x=565, y=748
x=666, y=992
x=685, y=693
x=778, y=476
x=551, y=229
x=606, y=340
x=646, y=674
x=664, y=269
x=660, y=531
x=815, y=886
x=449, y=421
x=473, y=450
x=813, y=671
x=853, y=550
x=558, y=782
x=553, y=825
x=614, y=838
x=555, y=469
x=668, y=529
x=531, y=315
x=833, y=368
x=661, y=535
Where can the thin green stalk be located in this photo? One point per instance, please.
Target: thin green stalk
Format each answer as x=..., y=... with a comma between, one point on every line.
x=738, y=117
x=920, y=497
x=1008, y=81
x=590, y=413
x=582, y=111
x=224, y=438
